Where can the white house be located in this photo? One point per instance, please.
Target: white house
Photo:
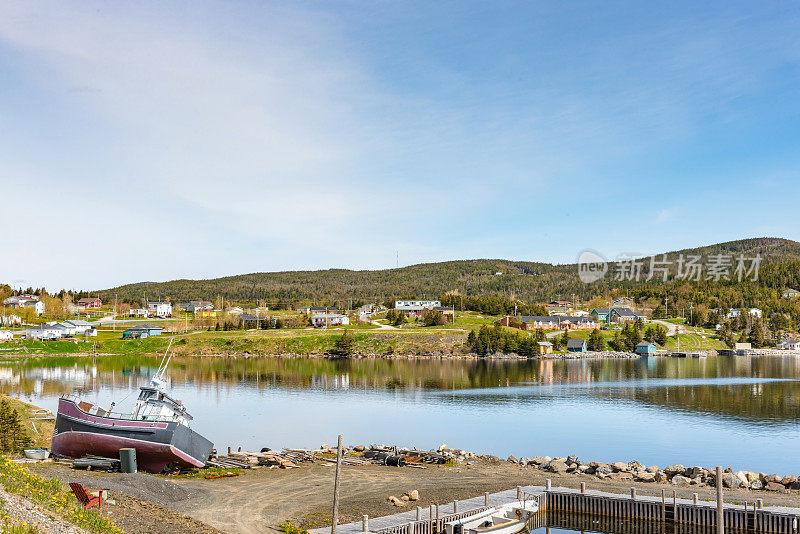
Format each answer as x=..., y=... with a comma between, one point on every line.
x=43, y=332
x=415, y=305
x=77, y=327
x=754, y=312
x=329, y=319
x=160, y=309
x=237, y=310
x=6, y=335
x=138, y=312
x=790, y=344
x=790, y=293
x=25, y=301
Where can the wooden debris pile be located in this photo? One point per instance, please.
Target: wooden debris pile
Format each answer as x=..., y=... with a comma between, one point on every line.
x=286, y=459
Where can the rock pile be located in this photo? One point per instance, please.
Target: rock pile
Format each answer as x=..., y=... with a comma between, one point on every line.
x=677, y=475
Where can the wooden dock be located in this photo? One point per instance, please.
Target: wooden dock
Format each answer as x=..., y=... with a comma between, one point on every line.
x=582, y=509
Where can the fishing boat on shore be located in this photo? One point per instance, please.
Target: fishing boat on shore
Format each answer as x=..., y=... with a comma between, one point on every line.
x=505, y=519
x=157, y=427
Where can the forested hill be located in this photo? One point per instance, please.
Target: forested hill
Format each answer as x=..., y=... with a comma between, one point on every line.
x=523, y=280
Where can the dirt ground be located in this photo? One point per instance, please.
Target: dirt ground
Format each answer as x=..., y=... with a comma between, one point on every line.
x=260, y=499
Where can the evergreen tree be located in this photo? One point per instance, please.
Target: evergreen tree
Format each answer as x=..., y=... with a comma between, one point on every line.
x=596, y=341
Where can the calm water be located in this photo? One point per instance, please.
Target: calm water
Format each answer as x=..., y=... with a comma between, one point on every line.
x=740, y=412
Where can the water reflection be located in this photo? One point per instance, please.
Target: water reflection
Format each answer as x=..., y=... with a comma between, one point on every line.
x=650, y=409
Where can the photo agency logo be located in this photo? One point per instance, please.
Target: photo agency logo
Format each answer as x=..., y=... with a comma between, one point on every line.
x=592, y=266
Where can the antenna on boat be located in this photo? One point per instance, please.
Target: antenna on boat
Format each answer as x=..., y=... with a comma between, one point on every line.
x=160, y=377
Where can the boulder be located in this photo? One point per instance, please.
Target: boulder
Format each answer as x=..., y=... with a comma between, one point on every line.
x=583, y=468
x=680, y=480
x=789, y=481
x=633, y=465
x=742, y=476
x=774, y=486
x=524, y=461
x=619, y=466
x=442, y=447
x=359, y=448
x=756, y=484
x=395, y=501
x=661, y=476
x=652, y=469
x=513, y=459
x=773, y=478
x=537, y=460
x=572, y=459
x=557, y=466
x=571, y=468
x=645, y=476
x=413, y=495
x=729, y=480
x=602, y=470
x=693, y=472
x=405, y=497
x=676, y=469
x=751, y=476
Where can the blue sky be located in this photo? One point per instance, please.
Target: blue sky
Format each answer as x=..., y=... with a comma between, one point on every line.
x=154, y=140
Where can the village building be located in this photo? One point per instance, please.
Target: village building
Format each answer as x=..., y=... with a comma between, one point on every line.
x=416, y=305
x=25, y=301
x=138, y=312
x=789, y=293
x=753, y=312
x=6, y=335
x=622, y=315
x=255, y=321
x=142, y=331
x=600, y=314
x=89, y=302
x=548, y=322
x=789, y=344
x=544, y=347
x=160, y=309
x=43, y=332
x=576, y=345
x=236, y=310
x=196, y=305
x=324, y=320
x=313, y=310
x=646, y=347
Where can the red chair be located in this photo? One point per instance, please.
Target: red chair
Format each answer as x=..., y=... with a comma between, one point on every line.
x=83, y=496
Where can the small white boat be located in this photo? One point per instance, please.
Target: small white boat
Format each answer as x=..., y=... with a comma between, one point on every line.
x=36, y=454
x=506, y=519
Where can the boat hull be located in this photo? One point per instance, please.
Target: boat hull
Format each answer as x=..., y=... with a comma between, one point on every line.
x=158, y=444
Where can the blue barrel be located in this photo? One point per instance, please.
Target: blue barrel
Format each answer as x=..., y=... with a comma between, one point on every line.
x=127, y=460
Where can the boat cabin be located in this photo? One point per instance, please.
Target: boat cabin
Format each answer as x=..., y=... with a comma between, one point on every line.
x=155, y=405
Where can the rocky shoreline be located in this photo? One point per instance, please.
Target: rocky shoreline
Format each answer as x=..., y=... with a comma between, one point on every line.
x=674, y=475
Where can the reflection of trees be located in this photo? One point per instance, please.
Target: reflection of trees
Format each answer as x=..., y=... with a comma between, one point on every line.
x=58, y=375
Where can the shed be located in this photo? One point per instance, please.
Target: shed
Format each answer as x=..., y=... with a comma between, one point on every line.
x=576, y=345
x=142, y=331
x=646, y=347
x=545, y=347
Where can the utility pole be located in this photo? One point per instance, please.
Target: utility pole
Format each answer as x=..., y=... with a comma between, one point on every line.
x=666, y=307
